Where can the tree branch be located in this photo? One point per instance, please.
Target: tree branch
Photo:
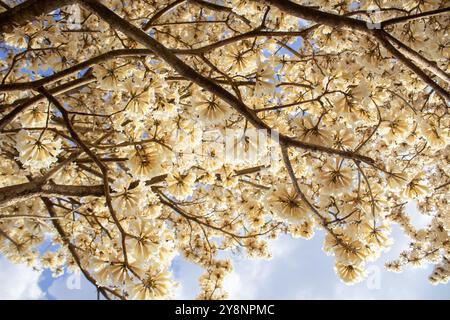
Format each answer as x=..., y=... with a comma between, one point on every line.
x=73, y=251
x=28, y=11
x=380, y=35
x=161, y=12
x=98, y=162
x=424, y=14
x=345, y=22
x=13, y=194
x=326, y=18
x=78, y=67
x=417, y=57
x=69, y=86
x=186, y=71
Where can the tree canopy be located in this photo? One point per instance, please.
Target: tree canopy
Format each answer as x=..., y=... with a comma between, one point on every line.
x=135, y=131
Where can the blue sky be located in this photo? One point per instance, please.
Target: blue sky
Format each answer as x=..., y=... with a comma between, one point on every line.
x=299, y=269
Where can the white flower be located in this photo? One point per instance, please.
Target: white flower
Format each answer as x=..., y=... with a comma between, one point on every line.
x=138, y=105
x=393, y=128
x=145, y=163
x=265, y=82
x=129, y=198
x=238, y=59
x=37, y=151
x=180, y=185
x=212, y=157
x=35, y=116
x=287, y=204
x=335, y=178
x=311, y=131
x=416, y=188
x=349, y=273
x=210, y=108
x=16, y=39
x=144, y=241
x=107, y=75
x=155, y=285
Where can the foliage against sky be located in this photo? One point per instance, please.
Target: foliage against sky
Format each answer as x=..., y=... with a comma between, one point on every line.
x=133, y=131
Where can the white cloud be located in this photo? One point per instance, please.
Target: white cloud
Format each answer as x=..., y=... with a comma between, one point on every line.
x=250, y=276
x=19, y=282
x=418, y=219
x=186, y=274
x=299, y=269
x=72, y=287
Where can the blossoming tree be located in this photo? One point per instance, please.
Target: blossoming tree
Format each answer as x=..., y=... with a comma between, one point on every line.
x=126, y=134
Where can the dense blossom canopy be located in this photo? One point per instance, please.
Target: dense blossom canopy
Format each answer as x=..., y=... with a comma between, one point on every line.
x=135, y=131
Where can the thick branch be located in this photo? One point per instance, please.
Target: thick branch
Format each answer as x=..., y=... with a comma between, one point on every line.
x=78, y=67
x=28, y=11
x=13, y=194
x=186, y=71
x=326, y=18
x=339, y=21
x=103, y=168
x=161, y=12
x=418, y=58
x=380, y=35
x=425, y=14
x=69, y=86
x=143, y=52
x=247, y=35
